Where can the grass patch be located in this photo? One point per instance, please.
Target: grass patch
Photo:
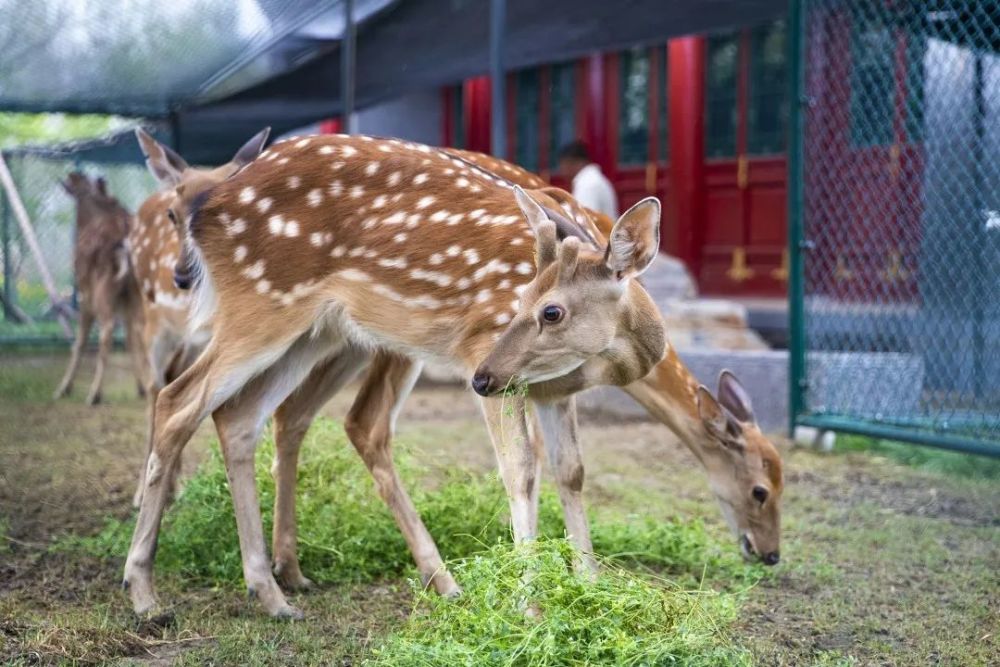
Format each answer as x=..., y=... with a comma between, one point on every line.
x=619, y=619
x=924, y=458
x=346, y=534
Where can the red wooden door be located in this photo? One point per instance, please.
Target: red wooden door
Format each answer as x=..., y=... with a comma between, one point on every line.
x=744, y=239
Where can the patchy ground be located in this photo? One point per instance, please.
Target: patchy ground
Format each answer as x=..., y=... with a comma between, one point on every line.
x=882, y=564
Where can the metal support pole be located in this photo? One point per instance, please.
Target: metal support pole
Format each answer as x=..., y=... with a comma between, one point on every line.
x=498, y=80
x=175, y=132
x=979, y=230
x=347, y=56
x=797, y=243
x=9, y=291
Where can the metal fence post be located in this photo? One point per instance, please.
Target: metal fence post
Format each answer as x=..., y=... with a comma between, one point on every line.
x=796, y=240
x=9, y=291
x=347, y=56
x=498, y=81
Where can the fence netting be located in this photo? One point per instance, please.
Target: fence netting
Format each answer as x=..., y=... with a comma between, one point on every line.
x=52, y=212
x=901, y=217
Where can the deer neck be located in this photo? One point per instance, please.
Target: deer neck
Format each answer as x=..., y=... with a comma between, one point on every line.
x=669, y=393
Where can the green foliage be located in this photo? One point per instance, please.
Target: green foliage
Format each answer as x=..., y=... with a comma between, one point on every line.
x=18, y=129
x=924, y=458
x=619, y=619
x=347, y=534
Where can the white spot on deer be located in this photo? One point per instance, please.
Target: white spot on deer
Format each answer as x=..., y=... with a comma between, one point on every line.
x=420, y=179
x=393, y=262
x=294, y=182
x=357, y=191
x=369, y=222
x=337, y=166
x=348, y=151
x=291, y=229
x=448, y=172
x=240, y=254
x=453, y=250
x=283, y=160
x=370, y=254
x=255, y=270
x=247, y=195
x=519, y=290
x=483, y=296
x=354, y=275
x=471, y=256
x=475, y=188
x=263, y=286
x=385, y=148
x=396, y=218
x=286, y=299
x=413, y=220
x=237, y=226
x=264, y=205
x=326, y=150
x=400, y=237
x=463, y=283
x=339, y=251
x=357, y=252
x=371, y=168
x=365, y=137
x=524, y=268
x=439, y=216
x=502, y=318
x=394, y=179
x=315, y=197
x=516, y=241
x=336, y=189
x=436, y=277
x=423, y=148
x=435, y=259
x=504, y=284
x=473, y=215
x=425, y=202
x=516, y=305
x=380, y=201
x=462, y=182
x=455, y=218
x=302, y=144
x=316, y=239
x=276, y=224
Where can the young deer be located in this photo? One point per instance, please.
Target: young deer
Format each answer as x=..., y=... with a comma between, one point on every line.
x=154, y=247
x=104, y=280
x=743, y=466
x=318, y=262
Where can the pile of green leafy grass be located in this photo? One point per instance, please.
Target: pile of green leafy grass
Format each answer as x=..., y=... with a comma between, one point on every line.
x=930, y=459
x=347, y=534
x=618, y=619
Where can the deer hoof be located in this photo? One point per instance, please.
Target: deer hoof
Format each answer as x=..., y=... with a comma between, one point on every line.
x=94, y=399
x=61, y=392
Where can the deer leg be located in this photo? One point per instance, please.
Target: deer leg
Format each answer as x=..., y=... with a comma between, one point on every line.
x=136, y=349
x=220, y=372
x=518, y=461
x=103, y=349
x=558, y=425
x=370, y=425
x=291, y=422
x=82, y=333
x=159, y=353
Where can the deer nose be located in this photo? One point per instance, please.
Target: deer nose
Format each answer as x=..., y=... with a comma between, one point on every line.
x=772, y=558
x=482, y=383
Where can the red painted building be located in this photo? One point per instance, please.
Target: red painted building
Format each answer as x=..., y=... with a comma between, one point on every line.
x=699, y=121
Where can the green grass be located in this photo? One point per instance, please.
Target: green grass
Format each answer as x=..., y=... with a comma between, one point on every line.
x=924, y=458
x=619, y=619
x=346, y=534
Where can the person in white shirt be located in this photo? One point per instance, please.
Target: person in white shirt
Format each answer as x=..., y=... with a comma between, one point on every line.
x=590, y=186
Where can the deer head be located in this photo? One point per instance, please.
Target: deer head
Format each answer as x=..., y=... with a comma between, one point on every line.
x=189, y=184
x=744, y=469
x=77, y=185
x=581, y=304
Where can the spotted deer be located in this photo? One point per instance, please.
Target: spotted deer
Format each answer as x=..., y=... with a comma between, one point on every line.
x=154, y=247
x=326, y=249
x=104, y=281
x=743, y=465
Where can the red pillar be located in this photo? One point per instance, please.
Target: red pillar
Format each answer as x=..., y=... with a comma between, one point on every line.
x=476, y=99
x=687, y=150
x=595, y=124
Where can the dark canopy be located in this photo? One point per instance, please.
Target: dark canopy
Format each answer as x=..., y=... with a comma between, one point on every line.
x=212, y=72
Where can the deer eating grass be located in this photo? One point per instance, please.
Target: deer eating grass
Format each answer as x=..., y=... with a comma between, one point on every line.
x=325, y=249
x=154, y=247
x=104, y=281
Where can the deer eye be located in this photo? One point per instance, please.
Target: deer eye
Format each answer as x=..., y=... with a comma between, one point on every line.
x=172, y=215
x=759, y=494
x=552, y=313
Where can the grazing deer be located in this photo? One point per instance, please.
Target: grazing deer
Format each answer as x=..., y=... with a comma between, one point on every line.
x=743, y=466
x=154, y=247
x=104, y=280
x=326, y=248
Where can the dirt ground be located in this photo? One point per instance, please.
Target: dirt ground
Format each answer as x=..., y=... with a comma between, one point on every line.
x=882, y=564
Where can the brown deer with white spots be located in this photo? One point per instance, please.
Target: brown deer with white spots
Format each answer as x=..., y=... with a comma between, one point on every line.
x=325, y=249
x=154, y=247
x=743, y=465
x=104, y=280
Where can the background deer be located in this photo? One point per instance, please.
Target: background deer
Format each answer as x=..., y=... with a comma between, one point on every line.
x=154, y=247
x=104, y=280
x=325, y=246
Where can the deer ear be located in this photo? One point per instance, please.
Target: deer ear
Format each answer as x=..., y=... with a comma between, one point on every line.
x=532, y=210
x=635, y=239
x=157, y=162
x=249, y=151
x=176, y=161
x=734, y=397
x=102, y=185
x=718, y=420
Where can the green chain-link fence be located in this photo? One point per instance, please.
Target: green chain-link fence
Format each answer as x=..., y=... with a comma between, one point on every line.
x=895, y=202
x=37, y=176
